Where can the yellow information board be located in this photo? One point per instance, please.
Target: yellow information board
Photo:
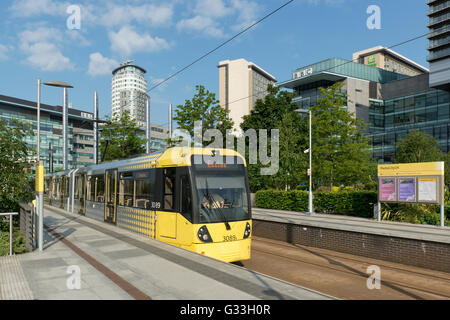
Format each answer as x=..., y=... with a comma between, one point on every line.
x=411, y=169
x=421, y=182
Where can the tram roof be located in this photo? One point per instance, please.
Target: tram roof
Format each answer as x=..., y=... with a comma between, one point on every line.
x=176, y=156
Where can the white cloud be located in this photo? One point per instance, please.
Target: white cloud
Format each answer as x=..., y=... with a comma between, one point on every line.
x=4, y=52
x=212, y=8
x=211, y=15
x=99, y=65
x=41, y=47
x=27, y=8
x=200, y=24
x=248, y=13
x=127, y=41
x=113, y=15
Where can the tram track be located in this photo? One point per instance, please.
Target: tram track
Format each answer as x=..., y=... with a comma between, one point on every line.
x=343, y=275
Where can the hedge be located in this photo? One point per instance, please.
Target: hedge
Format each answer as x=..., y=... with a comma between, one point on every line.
x=353, y=203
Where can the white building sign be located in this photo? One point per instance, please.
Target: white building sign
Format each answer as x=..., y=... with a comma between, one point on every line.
x=302, y=73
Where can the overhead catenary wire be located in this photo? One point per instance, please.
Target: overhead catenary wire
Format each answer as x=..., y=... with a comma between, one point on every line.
x=220, y=46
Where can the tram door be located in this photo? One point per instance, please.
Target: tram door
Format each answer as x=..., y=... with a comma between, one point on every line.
x=62, y=192
x=82, y=194
x=111, y=195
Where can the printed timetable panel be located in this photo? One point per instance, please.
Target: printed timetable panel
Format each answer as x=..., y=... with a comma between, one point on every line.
x=428, y=189
x=406, y=189
x=388, y=189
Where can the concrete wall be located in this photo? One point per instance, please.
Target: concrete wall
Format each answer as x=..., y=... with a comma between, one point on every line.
x=405, y=87
x=440, y=73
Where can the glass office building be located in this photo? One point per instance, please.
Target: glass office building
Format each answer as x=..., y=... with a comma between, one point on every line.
x=391, y=104
x=418, y=107
x=80, y=131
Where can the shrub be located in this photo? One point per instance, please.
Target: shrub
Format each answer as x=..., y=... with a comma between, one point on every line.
x=18, y=243
x=294, y=200
x=354, y=203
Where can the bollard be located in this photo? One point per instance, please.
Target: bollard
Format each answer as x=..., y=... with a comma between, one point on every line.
x=40, y=202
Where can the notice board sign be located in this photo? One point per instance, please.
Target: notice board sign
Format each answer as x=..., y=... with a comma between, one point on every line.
x=388, y=190
x=421, y=182
x=427, y=189
x=406, y=189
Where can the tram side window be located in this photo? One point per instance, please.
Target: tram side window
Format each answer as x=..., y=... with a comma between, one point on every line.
x=126, y=192
x=186, y=198
x=169, y=189
x=100, y=192
x=142, y=194
x=89, y=186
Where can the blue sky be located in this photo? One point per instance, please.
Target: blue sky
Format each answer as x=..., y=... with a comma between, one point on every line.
x=164, y=36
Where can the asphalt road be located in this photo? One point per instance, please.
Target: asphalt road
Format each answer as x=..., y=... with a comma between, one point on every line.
x=343, y=275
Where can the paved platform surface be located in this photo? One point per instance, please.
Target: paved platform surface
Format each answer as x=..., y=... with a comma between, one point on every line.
x=156, y=269
x=13, y=284
x=346, y=223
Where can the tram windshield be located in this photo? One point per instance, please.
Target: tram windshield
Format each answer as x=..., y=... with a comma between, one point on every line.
x=222, y=195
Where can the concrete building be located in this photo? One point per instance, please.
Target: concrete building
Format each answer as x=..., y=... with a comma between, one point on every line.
x=80, y=131
x=360, y=82
x=158, y=137
x=241, y=83
x=388, y=59
x=129, y=91
x=439, y=43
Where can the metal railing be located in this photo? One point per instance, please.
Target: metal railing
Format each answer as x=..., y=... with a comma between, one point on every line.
x=10, y=214
x=28, y=225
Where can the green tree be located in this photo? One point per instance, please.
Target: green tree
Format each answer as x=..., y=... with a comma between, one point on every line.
x=294, y=162
x=418, y=146
x=341, y=154
x=14, y=153
x=277, y=111
x=205, y=108
x=121, y=138
x=268, y=112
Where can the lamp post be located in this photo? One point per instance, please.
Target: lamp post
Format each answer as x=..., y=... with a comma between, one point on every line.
x=310, y=196
x=64, y=85
x=39, y=163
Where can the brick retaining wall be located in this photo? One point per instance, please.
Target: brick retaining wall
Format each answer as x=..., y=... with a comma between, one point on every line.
x=425, y=254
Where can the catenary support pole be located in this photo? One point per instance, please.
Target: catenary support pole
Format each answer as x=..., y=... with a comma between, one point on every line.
x=148, y=125
x=170, y=121
x=65, y=120
x=95, y=127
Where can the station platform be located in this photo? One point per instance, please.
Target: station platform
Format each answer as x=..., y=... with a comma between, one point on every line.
x=355, y=224
x=113, y=263
x=411, y=244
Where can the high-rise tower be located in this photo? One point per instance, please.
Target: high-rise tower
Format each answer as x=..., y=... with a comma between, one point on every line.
x=129, y=91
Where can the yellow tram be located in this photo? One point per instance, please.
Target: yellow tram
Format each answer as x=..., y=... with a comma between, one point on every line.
x=194, y=198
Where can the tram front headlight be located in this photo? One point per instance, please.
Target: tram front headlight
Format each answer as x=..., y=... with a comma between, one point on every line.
x=248, y=229
x=203, y=234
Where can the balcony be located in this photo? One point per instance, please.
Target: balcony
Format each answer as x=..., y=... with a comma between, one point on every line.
x=438, y=54
x=439, y=32
x=438, y=20
x=438, y=8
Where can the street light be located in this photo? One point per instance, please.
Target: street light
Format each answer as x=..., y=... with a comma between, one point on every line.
x=39, y=164
x=64, y=85
x=310, y=197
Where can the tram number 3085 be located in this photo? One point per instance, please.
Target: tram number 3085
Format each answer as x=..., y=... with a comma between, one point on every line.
x=230, y=238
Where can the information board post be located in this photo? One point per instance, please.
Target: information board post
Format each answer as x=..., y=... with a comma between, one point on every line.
x=421, y=182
